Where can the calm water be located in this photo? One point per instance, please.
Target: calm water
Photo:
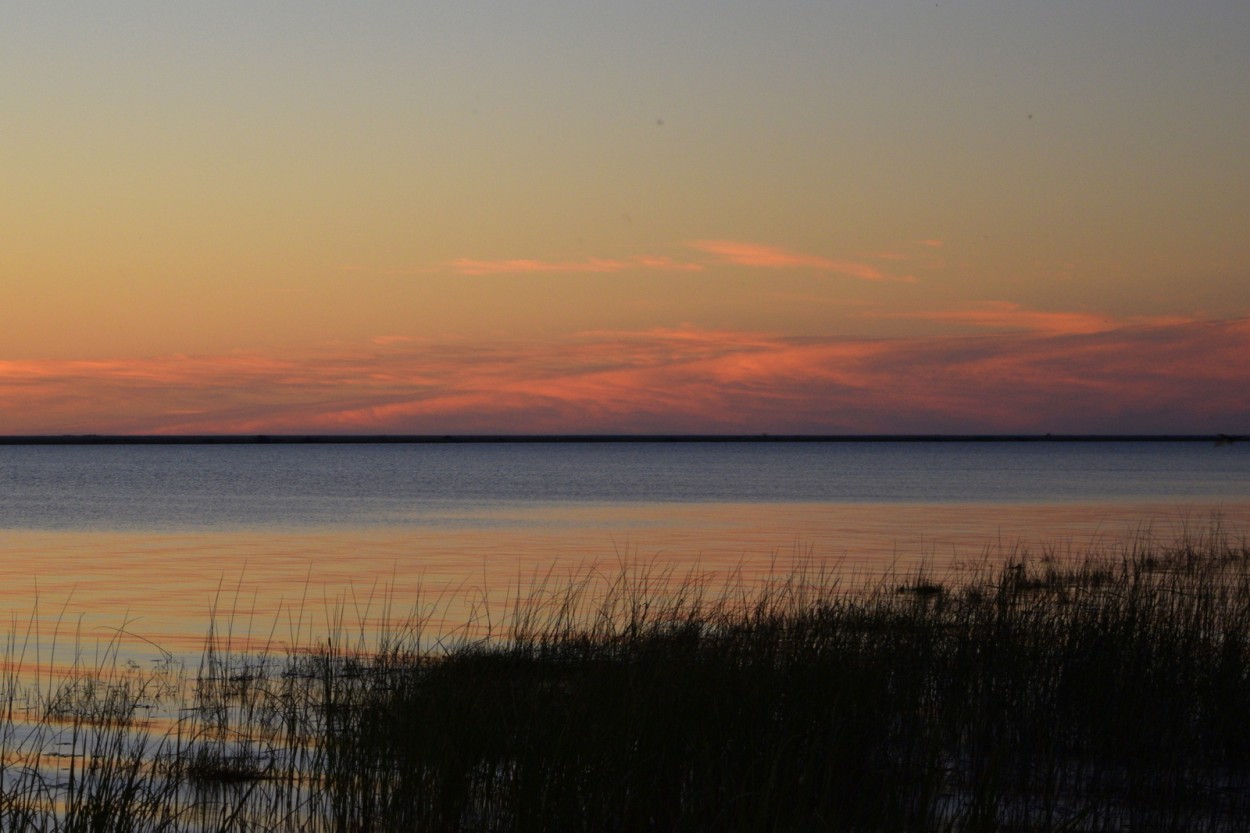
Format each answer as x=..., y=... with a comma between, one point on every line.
x=147, y=539
x=169, y=488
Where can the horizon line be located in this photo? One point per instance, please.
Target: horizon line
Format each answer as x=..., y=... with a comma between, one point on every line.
x=433, y=439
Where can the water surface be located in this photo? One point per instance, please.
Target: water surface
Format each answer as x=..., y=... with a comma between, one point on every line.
x=301, y=486
x=147, y=540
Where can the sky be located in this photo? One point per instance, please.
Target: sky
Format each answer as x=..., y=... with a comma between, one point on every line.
x=584, y=217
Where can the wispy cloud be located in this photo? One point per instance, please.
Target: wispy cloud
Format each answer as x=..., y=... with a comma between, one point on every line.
x=1004, y=315
x=754, y=255
x=1164, y=377
x=721, y=252
x=469, y=266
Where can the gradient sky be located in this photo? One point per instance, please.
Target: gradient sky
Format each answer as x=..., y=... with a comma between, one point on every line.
x=584, y=217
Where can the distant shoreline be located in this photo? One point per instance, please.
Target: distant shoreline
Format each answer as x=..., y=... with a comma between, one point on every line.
x=432, y=439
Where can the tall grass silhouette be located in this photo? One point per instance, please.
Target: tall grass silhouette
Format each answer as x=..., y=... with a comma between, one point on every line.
x=1106, y=692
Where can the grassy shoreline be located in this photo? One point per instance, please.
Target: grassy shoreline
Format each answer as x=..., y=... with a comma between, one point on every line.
x=1107, y=692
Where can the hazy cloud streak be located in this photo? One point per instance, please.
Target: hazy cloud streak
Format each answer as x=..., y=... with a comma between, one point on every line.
x=754, y=255
x=472, y=267
x=1171, y=377
x=1009, y=316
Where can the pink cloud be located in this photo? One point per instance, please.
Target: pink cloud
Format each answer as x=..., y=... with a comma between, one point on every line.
x=1189, y=376
x=753, y=255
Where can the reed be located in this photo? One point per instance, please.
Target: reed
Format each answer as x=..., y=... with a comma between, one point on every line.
x=1035, y=692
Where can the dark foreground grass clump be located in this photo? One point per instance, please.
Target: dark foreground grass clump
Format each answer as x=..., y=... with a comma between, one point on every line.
x=1109, y=693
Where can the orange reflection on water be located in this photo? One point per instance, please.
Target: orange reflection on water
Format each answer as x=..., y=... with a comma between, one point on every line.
x=88, y=591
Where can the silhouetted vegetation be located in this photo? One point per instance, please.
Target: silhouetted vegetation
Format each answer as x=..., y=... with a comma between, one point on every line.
x=1106, y=693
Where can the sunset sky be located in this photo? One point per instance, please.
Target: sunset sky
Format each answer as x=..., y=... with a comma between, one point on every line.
x=812, y=217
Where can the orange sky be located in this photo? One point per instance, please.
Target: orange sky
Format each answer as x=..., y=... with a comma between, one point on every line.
x=795, y=217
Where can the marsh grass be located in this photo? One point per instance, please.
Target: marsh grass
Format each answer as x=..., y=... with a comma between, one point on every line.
x=1037, y=692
